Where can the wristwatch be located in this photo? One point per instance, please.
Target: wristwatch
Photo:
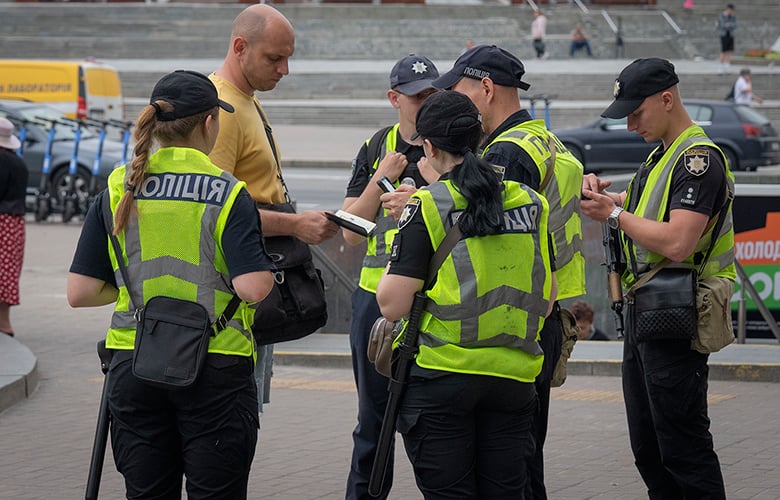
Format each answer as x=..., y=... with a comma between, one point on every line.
x=612, y=220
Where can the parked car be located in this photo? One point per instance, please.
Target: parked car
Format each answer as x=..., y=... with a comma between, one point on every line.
x=747, y=138
x=33, y=117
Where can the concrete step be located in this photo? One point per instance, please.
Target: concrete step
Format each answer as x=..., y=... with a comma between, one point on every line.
x=376, y=113
x=578, y=78
x=77, y=30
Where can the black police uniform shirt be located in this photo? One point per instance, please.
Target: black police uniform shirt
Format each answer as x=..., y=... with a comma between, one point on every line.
x=518, y=165
x=244, y=250
x=698, y=181
x=362, y=170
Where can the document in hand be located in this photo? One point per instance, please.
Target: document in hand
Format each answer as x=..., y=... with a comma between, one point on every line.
x=352, y=222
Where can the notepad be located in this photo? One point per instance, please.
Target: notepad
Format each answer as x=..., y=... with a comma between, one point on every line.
x=352, y=222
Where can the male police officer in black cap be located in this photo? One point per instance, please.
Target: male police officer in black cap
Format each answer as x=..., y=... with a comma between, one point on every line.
x=523, y=150
x=667, y=213
x=393, y=153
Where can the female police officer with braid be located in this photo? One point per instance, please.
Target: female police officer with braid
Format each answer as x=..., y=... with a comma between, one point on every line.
x=190, y=231
x=467, y=411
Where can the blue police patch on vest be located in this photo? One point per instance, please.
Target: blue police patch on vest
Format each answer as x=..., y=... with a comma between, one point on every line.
x=524, y=219
x=409, y=210
x=188, y=187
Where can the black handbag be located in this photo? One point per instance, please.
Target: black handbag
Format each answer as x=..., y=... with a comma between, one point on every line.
x=664, y=307
x=296, y=306
x=172, y=336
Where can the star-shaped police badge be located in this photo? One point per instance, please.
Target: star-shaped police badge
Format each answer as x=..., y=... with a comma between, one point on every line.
x=419, y=67
x=408, y=212
x=697, y=161
x=616, y=89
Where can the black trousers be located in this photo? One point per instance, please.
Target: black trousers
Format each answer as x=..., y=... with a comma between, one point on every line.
x=372, y=400
x=551, y=338
x=468, y=436
x=665, y=392
x=207, y=432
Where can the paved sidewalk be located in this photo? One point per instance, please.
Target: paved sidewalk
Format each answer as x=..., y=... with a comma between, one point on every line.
x=305, y=443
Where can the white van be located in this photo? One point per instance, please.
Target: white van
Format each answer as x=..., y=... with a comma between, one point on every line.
x=80, y=89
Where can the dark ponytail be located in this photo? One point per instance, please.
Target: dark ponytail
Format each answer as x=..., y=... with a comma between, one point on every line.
x=476, y=180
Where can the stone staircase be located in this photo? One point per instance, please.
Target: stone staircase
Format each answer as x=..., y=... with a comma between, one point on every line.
x=344, y=51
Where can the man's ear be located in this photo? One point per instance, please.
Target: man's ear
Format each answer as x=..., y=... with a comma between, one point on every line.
x=488, y=88
x=239, y=45
x=392, y=96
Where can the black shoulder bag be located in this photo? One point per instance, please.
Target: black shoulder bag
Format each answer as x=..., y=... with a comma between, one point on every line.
x=664, y=299
x=172, y=335
x=296, y=306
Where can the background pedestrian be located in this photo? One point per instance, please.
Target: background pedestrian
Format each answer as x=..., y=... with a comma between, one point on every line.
x=727, y=25
x=13, y=190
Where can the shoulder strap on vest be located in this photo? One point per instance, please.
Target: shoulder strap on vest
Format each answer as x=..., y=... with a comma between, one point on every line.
x=108, y=220
x=372, y=150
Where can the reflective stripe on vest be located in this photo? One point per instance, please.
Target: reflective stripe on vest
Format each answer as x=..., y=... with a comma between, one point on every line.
x=491, y=291
x=654, y=201
x=183, y=190
x=378, y=248
x=563, y=195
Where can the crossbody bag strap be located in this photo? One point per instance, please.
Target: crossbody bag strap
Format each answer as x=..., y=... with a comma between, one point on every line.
x=715, y=220
x=447, y=244
x=551, y=165
x=108, y=220
x=270, y=134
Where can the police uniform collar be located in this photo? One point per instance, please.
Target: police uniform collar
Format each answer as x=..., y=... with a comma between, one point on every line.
x=512, y=120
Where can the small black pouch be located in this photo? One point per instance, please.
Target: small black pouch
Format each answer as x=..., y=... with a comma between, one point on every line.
x=171, y=342
x=665, y=307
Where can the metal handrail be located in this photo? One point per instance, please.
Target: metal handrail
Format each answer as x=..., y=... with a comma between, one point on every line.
x=741, y=314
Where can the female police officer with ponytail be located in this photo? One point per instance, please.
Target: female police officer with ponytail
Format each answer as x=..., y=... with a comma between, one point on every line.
x=190, y=231
x=467, y=411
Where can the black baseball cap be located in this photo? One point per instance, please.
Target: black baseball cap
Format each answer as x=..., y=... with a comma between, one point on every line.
x=413, y=74
x=189, y=92
x=489, y=61
x=639, y=80
x=450, y=121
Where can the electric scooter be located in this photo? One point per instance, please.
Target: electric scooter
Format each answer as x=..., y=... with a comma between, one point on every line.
x=101, y=126
x=532, y=108
x=43, y=204
x=22, y=137
x=70, y=201
x=125, y=127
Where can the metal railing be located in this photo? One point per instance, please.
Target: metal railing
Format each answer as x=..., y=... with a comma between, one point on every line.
x=746, y=285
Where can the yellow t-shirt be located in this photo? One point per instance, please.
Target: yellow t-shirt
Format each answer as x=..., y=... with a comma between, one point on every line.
x=242, y=146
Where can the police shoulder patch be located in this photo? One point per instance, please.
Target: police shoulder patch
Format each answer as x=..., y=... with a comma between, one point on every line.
x=500, y=171
x=697, y=161
x=408, y=212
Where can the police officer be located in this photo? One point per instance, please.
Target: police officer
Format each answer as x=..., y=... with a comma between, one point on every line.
x=467, y=411
x=187, y=243
x=390, y=153
x=665, y=213
x=522, y=150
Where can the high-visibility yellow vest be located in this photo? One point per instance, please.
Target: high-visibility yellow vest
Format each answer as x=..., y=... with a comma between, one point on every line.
x=487, y=307
x=563, y=194
x=173, y=248
x=652, y=204
x=379, y=243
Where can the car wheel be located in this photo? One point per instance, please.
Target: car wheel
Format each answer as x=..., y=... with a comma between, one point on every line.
x=732, y=159
x=60, y=186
